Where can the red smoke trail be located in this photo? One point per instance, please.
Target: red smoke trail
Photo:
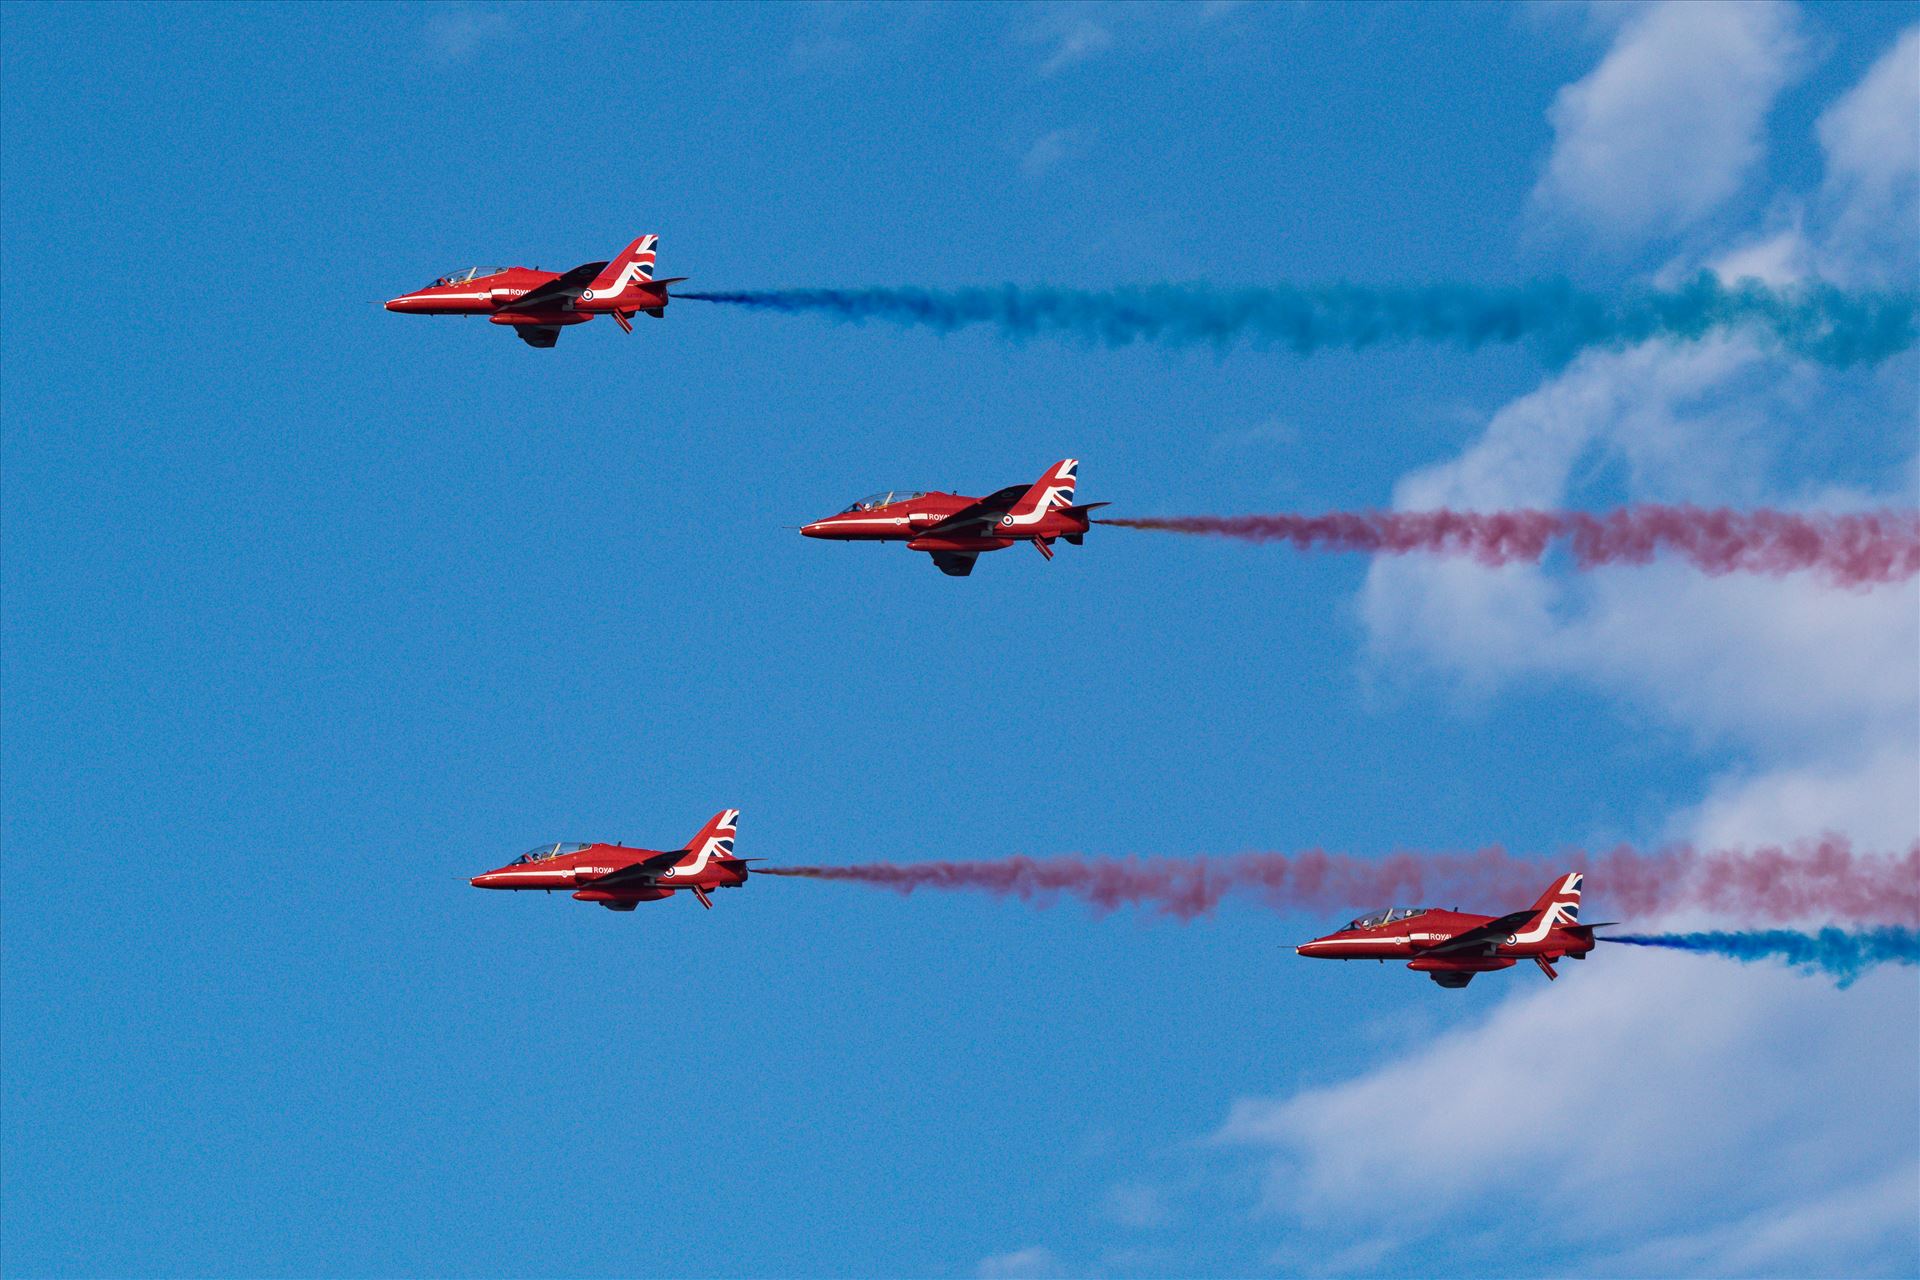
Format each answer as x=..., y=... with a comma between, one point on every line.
x=1822, y=879
x=1853, y=550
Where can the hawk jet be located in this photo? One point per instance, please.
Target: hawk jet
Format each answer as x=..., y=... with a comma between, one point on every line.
x=955, y=529
x=538, y=304
x=619, y=878
x=1451, y=946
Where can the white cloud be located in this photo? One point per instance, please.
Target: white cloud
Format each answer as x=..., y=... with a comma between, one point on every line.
x=1654, y=1113
x=1871, y=139
x=1669, y=126
x=1790, y=669
x=1871, y=136
x=1859, y=227
x=1645, y=1094
x=1781, y=257
x=1862, y=1222
x=1875, y=799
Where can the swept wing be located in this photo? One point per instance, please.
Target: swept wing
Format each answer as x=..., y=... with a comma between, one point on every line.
x=1493, y=931
x=560, y=291
x=987, y=510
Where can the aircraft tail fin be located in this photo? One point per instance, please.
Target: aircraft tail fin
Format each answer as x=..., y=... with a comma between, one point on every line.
x=1051, y=492
x=1560, y=904
x=631, y=271
x=715, y=840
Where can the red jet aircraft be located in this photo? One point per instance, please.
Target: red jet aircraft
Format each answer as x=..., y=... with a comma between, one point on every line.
x=1451, y=946
x=619, y=879
x=954, y=530
x=538, y=303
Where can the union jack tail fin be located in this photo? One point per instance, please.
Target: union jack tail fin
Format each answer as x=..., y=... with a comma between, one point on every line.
x=1050, y=492
x=633, y=267
x=1562, y=901
x=715, y=840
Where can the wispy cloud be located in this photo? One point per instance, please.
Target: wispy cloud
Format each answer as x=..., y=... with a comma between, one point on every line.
x=1070, y=34
x=1080, y=40
x=456, y=32
x=1047, y=152
x=1035, y=1263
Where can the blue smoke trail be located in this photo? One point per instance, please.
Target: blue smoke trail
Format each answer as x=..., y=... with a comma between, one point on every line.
x=1844, y=954
x=1820, y=322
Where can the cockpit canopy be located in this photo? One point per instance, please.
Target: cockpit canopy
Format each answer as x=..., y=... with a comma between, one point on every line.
x=884, y=498
x=541, y=853
x=461, y=277
x=1387, y=916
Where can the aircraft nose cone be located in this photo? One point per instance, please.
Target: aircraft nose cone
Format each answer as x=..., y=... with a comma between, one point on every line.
x=815, y=530
x=405, y=302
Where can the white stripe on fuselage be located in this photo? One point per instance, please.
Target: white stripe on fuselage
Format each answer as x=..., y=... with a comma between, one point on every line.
x=1555, y=914
x=708, y=851
x=628, y=274
x=1062, y=496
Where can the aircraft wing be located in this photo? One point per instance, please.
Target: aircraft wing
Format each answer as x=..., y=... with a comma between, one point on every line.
x=1491, y=931
x=561, y=290
x=985, y=511
x=644, y=872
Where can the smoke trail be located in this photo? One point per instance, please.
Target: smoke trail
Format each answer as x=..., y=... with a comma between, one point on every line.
x=1844, y=955
x=1823, y=878
x=1851, y=550
x=1820, y=322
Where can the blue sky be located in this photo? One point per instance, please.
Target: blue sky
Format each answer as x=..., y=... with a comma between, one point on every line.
x=312, y=611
